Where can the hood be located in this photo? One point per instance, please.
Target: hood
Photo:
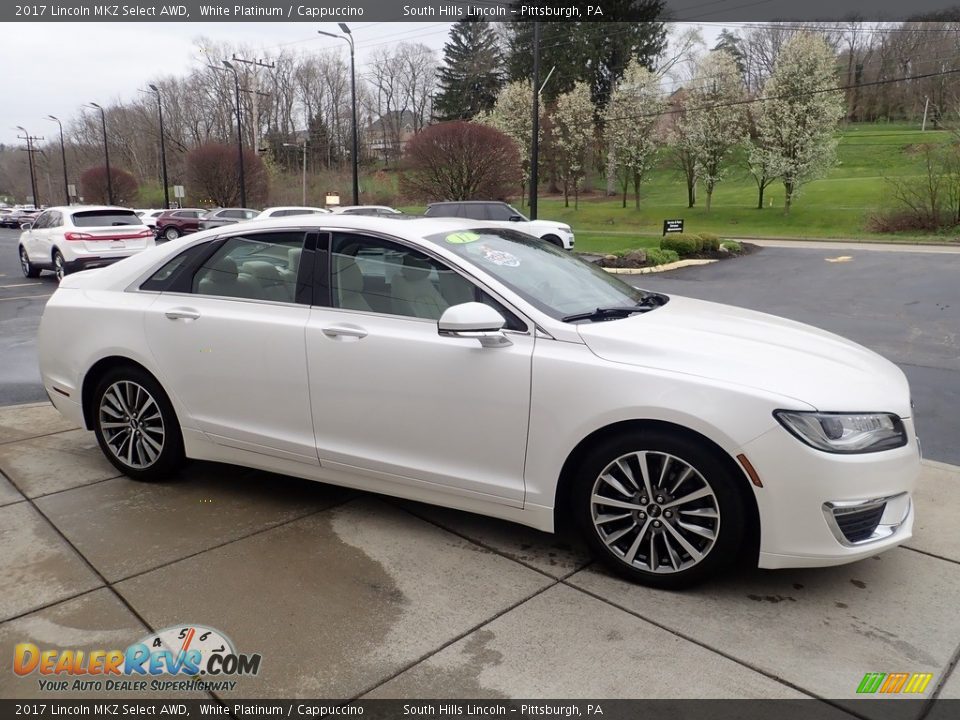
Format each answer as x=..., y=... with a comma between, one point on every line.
x=550, y=224
x=756, y=350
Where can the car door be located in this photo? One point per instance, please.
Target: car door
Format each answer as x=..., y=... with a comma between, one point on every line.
x=395, y=399
x=228, y=336
x=34, y=239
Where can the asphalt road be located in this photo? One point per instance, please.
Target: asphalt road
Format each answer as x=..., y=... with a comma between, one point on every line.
x=904, y=305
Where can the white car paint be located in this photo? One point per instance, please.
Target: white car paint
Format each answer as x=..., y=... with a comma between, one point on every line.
x=289, y=211
x=388, y=404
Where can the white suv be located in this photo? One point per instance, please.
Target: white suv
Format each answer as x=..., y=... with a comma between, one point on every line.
x=67, y=239
x=557, y=233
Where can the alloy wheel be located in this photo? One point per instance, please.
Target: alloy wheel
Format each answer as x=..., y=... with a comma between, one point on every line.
x=655, y=512
x=58, y=268
x=132, y=424
x=24, y=263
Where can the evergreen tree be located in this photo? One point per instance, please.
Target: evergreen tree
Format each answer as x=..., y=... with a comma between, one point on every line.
x=595, y=52
x=471, y=75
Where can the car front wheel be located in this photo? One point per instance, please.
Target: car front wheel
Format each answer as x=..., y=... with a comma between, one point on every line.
x=659, y=508
x=136, y=425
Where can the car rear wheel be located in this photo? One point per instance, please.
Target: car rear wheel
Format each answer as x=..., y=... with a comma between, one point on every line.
x=659, y=508
x=59, y=265
x=136, y=425
x=26, y=266
x=171, y=233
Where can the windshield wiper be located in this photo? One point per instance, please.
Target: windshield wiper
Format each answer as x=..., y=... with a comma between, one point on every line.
x=647, y=303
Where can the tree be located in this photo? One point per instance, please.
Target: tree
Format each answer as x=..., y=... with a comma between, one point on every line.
x=631, y=126
x=512, y=114
x=472, y=71
x=799, y=114
x=572, y=133
x=715, y=118
x=93, y=185
x=460, y=161
x=596, y=52
x=681, y=149
x=213, y=175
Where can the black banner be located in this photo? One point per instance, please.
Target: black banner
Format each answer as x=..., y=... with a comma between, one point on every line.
x=453, y=10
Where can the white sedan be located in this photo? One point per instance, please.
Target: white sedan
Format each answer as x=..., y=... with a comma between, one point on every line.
x=480, y=368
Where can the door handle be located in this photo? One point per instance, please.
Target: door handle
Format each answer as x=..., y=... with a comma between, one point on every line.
x=344, y=331
x=182, y=314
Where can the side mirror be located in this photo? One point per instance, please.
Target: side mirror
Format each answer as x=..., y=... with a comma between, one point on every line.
x=515, y=218
x=26, y=226
x=474, y=320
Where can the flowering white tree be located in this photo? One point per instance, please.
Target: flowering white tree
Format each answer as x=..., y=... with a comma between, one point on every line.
x=573, y=134
x=799, y=114
x=714, y=123
x=631, y=120
x=512, y=114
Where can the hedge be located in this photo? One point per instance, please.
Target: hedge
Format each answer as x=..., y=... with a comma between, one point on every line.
x=661, y=257
x=682, y=244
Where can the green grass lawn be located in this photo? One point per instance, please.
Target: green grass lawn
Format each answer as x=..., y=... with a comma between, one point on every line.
x=837, y=206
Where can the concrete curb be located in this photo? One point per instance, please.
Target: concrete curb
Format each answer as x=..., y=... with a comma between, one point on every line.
x=659, y=268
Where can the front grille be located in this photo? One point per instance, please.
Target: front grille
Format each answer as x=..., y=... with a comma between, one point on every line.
x=859, y=525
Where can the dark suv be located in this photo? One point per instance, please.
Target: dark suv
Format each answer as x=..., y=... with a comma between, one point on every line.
x=174, y=223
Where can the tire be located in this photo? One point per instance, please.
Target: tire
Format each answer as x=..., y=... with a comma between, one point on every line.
x=171, y=233
x=149, y=445
x=553, y=240
x=621, y=536
x=59, y=266
x=26, y=266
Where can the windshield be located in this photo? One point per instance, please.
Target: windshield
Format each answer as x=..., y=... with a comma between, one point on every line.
x=552, y=280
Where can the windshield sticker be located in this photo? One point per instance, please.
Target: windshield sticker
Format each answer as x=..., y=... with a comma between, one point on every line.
x=499, y=257
x=461, y=238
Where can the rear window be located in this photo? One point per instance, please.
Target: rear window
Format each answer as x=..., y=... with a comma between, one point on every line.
x=105, y=218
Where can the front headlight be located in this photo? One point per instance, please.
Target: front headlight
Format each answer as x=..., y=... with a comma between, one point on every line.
x=845, y=432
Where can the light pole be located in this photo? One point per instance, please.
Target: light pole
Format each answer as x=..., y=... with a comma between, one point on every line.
x=535, y=140
x=243, y=180
x=33, y=175
x=304, y=146
x=163, y=149
x=63, y=158
x=348, y=36
x=106, y=151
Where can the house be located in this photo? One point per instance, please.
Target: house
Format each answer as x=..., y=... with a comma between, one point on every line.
x=386, y=137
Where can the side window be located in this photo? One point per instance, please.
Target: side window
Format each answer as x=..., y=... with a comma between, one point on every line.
x=56, y=219
x=260, y=266
x=170, y=276
x=40, y=222
x=374, y=275
x=498, y=212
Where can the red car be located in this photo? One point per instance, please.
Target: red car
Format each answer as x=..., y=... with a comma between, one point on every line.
x=174, y=223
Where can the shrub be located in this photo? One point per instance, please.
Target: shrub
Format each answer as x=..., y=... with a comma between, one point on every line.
x=94, y=186
x=213, y=174
x=682, y=244
x=732, y=246
x=656, y=256
x=710, y=241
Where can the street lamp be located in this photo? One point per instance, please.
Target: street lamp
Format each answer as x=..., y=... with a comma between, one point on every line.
x=236, y=86
x=348, y=36
x=33, y=176
x=63, y=158
x=163, y=149
x=106, y=150
x=304, y=146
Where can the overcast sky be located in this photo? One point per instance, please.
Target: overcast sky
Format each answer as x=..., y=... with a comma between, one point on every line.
x=55, y=68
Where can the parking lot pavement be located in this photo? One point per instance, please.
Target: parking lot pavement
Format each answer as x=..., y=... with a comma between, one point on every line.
x=347, y=594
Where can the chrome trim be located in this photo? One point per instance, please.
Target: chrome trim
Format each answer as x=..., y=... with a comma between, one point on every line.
x=882, y=532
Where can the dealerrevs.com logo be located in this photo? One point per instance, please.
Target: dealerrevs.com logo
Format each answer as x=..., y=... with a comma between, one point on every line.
x=182, y=657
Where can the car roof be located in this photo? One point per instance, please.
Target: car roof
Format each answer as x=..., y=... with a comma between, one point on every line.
x=289, y=207
x=469, y=202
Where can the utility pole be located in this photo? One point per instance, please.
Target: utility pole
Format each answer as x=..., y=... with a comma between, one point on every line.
x=63, y=158
x=30, y=150
x=163, y=149
x=535, y=143
x=106, y=150
x=243, y=177
x=255, y=92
